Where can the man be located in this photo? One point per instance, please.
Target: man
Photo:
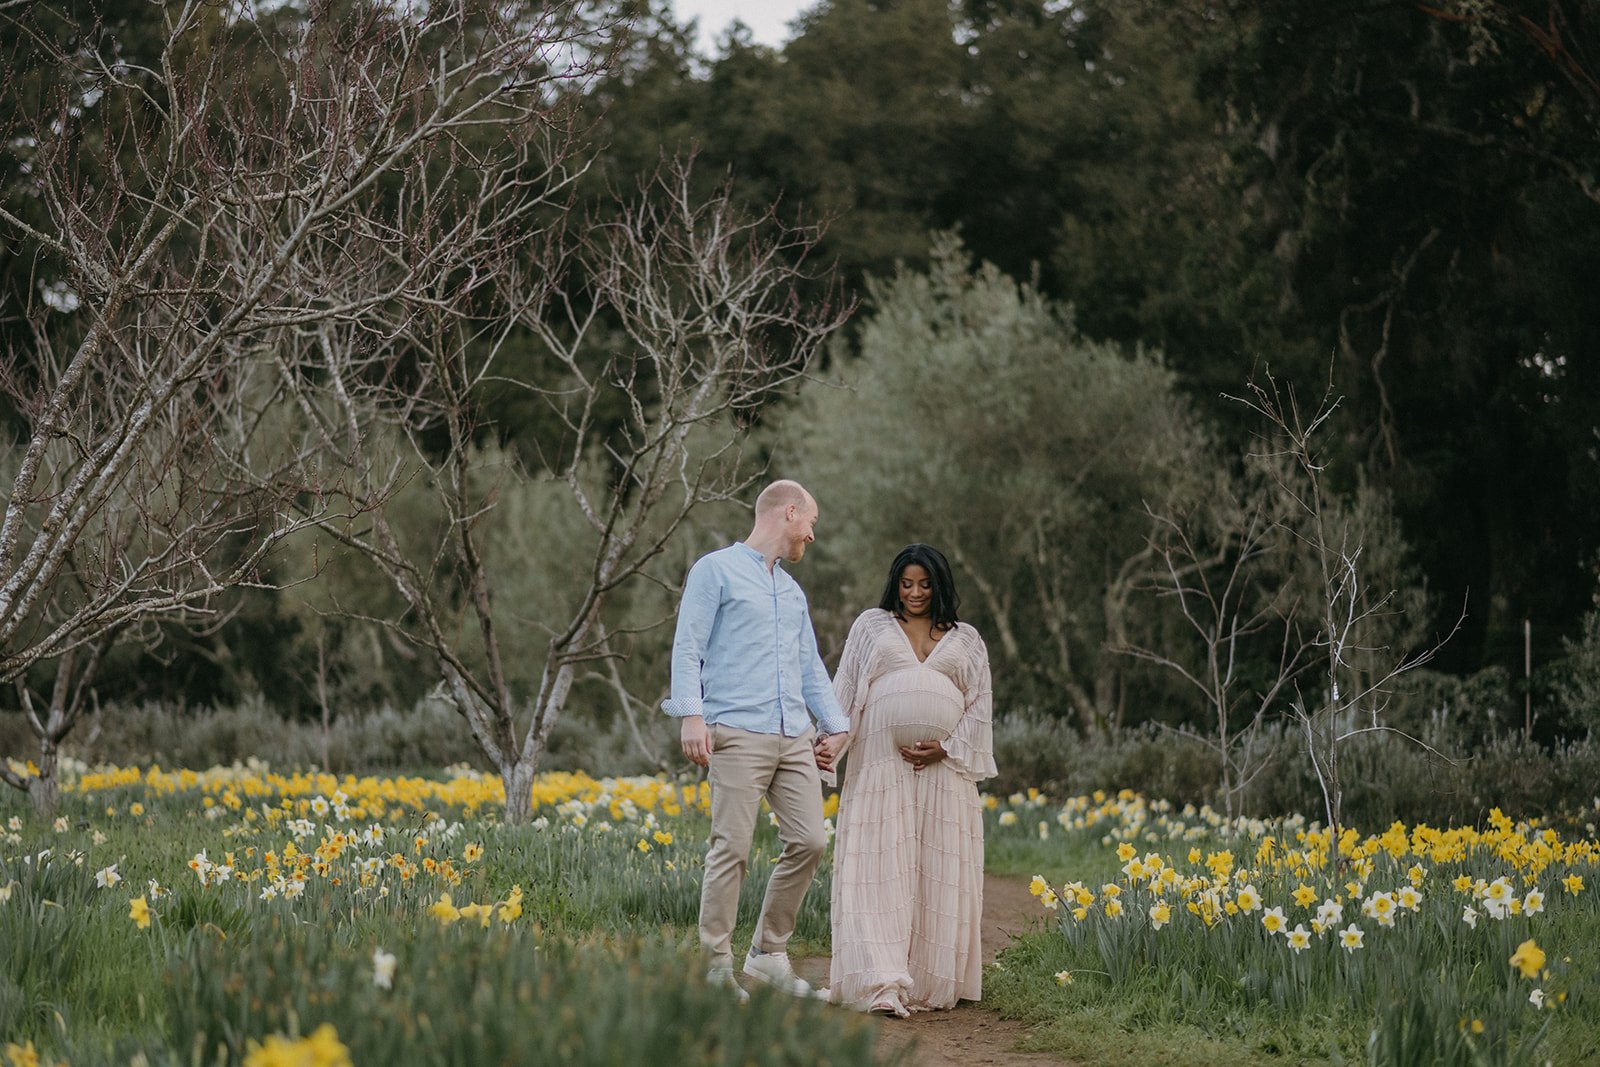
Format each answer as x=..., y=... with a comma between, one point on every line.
x=747, y=682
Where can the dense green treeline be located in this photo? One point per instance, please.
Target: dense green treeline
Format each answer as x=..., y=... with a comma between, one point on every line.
x=1403, y=193
x=1075, y=230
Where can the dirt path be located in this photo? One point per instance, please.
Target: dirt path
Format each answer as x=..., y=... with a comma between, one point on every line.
x=969, y=1035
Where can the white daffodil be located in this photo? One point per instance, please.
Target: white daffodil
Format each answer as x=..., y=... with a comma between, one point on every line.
x=383, y=965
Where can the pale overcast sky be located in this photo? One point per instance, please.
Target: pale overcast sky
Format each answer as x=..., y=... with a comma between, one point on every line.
x=768, y=19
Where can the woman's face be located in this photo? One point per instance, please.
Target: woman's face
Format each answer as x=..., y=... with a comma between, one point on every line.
x=916, y=591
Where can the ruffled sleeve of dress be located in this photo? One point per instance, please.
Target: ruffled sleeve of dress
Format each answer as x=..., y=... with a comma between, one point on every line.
x=970, y=746
x=851, y=679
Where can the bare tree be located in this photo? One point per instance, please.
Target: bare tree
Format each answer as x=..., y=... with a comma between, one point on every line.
x=1066, y=621
x=658, y=327
x=1355, y=672
x=187, y=212
x=67, y=699
x=1217, y=568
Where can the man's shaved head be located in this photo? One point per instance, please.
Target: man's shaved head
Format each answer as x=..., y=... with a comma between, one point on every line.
x=781, y=494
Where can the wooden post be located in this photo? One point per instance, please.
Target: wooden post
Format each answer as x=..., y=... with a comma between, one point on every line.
x=1527, y=675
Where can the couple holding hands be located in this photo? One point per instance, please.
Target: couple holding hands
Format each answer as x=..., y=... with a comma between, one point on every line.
x=911, y=701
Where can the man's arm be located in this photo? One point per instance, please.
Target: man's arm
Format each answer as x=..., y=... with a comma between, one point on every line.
x=697, y=613
x=815, y=685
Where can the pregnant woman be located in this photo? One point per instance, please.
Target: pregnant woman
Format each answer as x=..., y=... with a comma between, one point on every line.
x=908, y=856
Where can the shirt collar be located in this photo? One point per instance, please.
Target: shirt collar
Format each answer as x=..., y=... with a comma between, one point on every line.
x=777, y=565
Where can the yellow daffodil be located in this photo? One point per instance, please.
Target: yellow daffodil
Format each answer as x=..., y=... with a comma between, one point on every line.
x=444, y=910
x=325, y=1050
x=1529, y=958
x=23, y=1056
x=1304, y=895
x=139, y=912
x=511, y=907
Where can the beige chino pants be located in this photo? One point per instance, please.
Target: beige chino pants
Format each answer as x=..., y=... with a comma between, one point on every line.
x=745, y=767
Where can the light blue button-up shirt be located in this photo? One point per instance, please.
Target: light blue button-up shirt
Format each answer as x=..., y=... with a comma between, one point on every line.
x=745, y=654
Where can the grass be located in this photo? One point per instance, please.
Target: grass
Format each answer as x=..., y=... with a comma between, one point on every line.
x=589, y=955
x=590, y=959
x=1429, y=989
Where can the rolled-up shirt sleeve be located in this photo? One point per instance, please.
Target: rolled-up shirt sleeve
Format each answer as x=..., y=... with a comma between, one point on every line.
x=697, y=613
x=815, y=685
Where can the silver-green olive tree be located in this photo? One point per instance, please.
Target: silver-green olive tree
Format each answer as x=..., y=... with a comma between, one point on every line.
x=976, y=418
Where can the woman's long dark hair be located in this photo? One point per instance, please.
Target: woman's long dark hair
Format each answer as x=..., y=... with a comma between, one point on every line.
x=945, y=598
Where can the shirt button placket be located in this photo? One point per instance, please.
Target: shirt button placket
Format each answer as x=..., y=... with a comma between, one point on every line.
x=777, y=645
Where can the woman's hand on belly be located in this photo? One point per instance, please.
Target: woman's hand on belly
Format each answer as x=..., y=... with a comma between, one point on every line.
x=923, y=754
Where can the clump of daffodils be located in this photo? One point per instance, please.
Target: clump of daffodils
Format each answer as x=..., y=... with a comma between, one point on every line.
x=322, y=1048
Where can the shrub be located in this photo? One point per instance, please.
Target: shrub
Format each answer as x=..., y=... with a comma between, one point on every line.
x=423, y=738
x=1387, y=776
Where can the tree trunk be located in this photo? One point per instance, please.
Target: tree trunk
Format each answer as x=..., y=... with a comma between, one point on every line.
x=518, y=780
x=44, y=790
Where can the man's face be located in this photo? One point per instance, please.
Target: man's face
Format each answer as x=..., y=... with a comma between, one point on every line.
x=801, y=526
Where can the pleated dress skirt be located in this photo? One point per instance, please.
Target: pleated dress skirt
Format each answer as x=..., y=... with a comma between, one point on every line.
x=908, y=856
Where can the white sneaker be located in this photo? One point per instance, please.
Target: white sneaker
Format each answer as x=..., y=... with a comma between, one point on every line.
x=773, y=969
x=723, y=976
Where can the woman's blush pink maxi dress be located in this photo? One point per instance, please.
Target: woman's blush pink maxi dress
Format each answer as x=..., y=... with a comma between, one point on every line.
x=908, y=854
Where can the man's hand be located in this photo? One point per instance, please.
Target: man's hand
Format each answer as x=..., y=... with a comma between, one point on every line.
x=827, y=750
x=696, y=740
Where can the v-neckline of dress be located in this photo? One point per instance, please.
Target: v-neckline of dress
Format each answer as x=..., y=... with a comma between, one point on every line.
x=922, y=661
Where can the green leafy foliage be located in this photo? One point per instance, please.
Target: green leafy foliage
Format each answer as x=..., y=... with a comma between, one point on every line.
x=975, y=418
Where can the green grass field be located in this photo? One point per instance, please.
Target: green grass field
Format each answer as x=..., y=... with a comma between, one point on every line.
x=1423, y=986
x=238, y=916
